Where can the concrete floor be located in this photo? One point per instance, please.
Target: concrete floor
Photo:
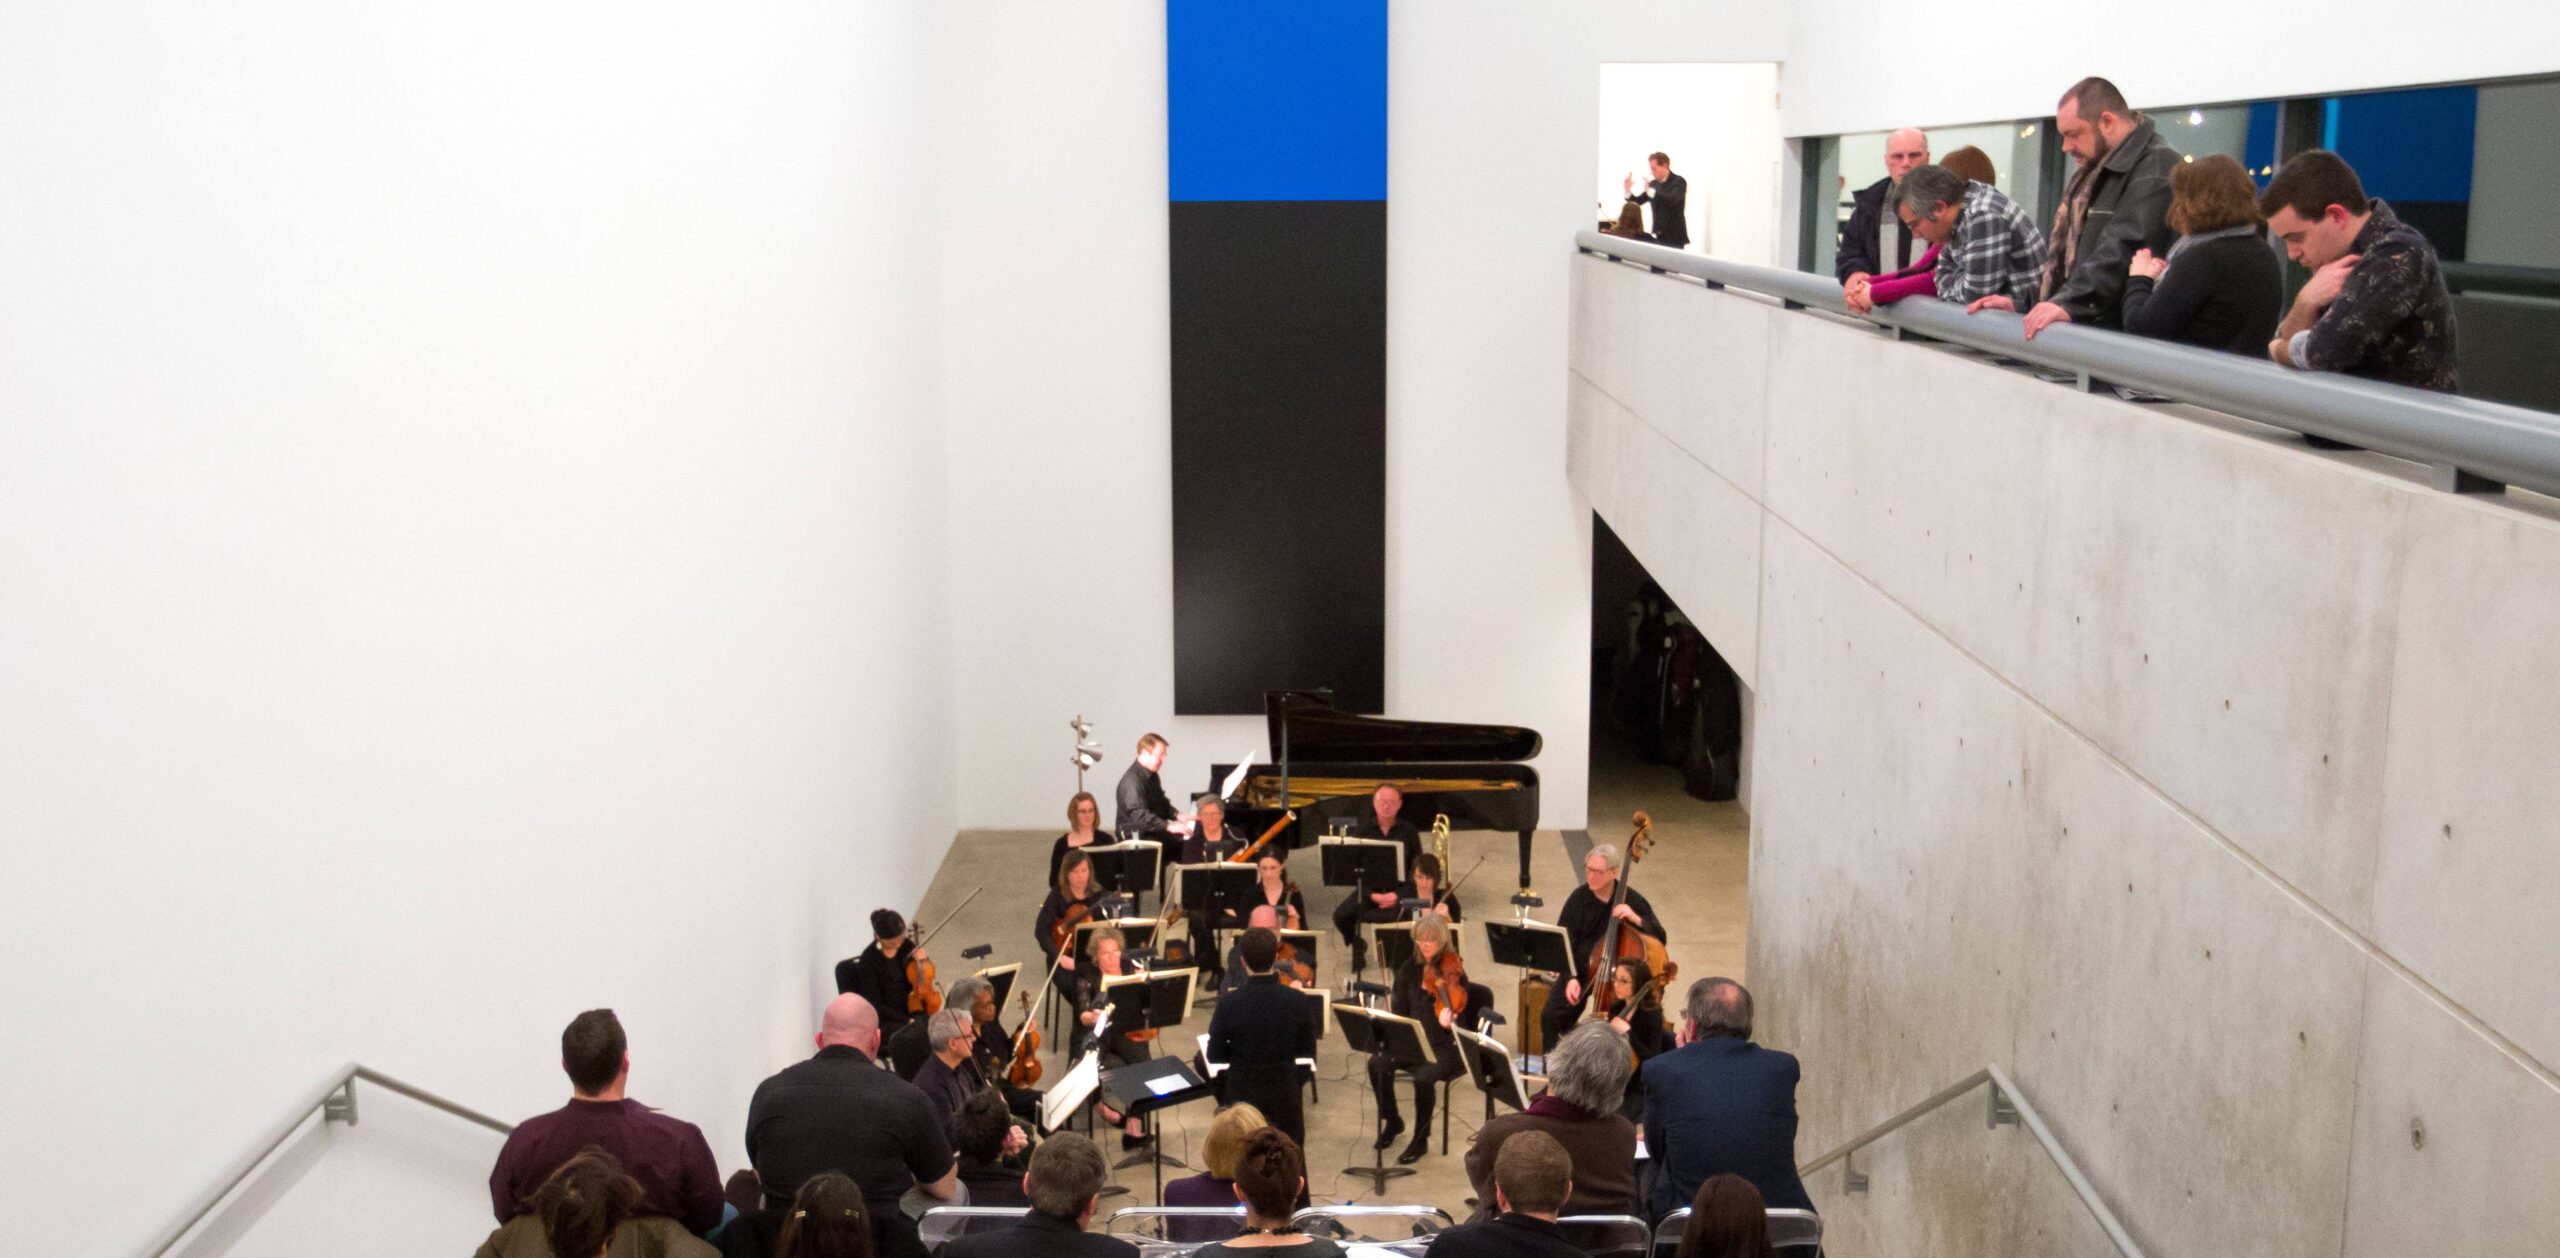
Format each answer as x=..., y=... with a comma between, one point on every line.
x=1695, y=878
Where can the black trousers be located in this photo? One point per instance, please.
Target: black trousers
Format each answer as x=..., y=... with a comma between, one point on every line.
x=1427, y=1079
x=1559, y=1016
x=1273, y=1089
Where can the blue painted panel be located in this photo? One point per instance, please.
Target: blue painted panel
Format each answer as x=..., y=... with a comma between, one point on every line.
x=2259, y=152
x=2409, y=146
x=1277, y=100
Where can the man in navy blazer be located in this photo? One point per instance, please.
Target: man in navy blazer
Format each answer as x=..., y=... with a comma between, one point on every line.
x=1720, y=1104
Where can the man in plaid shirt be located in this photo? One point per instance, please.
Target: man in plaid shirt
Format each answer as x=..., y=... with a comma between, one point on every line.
x=1988, y=247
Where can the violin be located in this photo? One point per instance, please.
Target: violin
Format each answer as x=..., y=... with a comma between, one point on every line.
x=1024, y=1070
x=1064, y=929
x=924, y=998
x=1446, y=981
x=1292, y=971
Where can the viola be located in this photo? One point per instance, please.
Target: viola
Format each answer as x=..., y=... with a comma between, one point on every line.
x=1024, y=1070
x=923, y=998
x=1292, y=971
x=1064, y=929
x=1446, y=981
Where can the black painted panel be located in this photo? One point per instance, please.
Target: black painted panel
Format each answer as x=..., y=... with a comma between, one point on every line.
x=1279, y=452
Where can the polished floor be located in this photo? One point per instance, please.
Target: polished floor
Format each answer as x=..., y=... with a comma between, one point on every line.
x=1695, y=878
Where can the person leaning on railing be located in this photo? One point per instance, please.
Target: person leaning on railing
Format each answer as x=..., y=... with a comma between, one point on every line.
x=1983, y=245
x=2376, y=304
x=2218, y=287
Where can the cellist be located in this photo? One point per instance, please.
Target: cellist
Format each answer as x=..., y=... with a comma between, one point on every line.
x=1585, y=918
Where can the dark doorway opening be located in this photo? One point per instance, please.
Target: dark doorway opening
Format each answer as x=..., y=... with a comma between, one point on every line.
x=1666, y=710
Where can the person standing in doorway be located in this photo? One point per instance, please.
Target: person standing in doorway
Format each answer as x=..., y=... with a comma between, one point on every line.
x=1668, y=194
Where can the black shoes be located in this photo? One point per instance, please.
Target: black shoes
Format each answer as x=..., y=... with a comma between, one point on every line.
x=1387, y=1134
x=1128, y=1142
x=1413, y=1152
x=1360, y=959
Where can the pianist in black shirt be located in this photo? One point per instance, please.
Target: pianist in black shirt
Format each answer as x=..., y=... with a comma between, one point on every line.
x=1585, y=918
x=1379, y=822
x=1142, y=810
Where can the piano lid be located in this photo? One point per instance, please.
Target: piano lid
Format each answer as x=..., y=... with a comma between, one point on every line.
x=1316, y=732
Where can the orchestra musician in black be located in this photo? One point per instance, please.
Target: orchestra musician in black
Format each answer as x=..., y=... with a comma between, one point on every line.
x=1410, y=999
x=1209, y=841
x=1119, y=1047
x=1638, y=1017
x=1142, y=810
x=1084, y=829
x=1258, y=1032
x=1072, y=897
x=1427, y=891
x=1585, y=918
x=1379, y=904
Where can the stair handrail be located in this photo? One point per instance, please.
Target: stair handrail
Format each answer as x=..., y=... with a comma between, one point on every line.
x=2008, y=1105
x=335, y=1101
x=2469, y=445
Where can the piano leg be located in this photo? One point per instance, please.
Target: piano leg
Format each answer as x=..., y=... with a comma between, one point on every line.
x=1524, y=861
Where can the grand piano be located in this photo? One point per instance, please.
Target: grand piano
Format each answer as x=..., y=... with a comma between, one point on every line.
x=1327, y=761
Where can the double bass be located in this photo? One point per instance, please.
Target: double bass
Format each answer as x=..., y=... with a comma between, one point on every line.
x=1623, y=942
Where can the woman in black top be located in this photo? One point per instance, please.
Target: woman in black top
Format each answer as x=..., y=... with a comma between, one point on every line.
x=1411, y=1000
x=2219, y=287
x=1073, y=889
x=1288, y=904
x=1641, y=1022
x=1084, y=829
x=1430, y=882
x=1117, y=1048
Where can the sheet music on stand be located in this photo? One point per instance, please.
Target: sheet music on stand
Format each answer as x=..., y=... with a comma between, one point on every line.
x=1001, y=978
x=1530, y=945
x=1135, y=932
x=1395, y=944
x=1211, y=888
x=1069, y=1094
x=1377, y=864
x=1235, y=778
x=1130, y=867
x=1154, y=998
x=1323, y=1002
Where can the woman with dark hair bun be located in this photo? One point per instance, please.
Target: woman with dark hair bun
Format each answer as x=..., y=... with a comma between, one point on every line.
x=581, y=1208
x=1271, y=1175
x=828, y=1220
x=1727, y=1219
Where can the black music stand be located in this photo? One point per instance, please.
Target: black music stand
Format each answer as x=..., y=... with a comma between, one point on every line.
x=1142, y=1089
x=1365, y=866
x=1213, y=890
x=1002, y=979
x=1395, y=944
x=1530, y=945
x=1135, y=933
x=1073, y=1094
x=1400, y=1038
x=1492, y=1067
x=1129, y=868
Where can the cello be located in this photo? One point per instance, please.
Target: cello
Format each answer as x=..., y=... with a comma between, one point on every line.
x=1622, y=941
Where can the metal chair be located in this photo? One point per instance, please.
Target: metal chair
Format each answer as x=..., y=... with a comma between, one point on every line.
x=1788, y=1229
x=941, y=1224
x=1349, y=1223
x=1177, y=1225
x=1607, y=1235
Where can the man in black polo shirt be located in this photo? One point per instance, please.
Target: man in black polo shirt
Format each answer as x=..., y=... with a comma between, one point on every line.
x=1532, y=1177
x=838, y=1111
x=1065, y=1180
x=1381, y=822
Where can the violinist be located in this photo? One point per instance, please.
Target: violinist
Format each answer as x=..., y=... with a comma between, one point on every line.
x=1430, y=885
x=994, y=1048
x=1636, y=1013
x=1071, y=899
x=1084, y=829
x=1435, y=1007
x=1382, y=820
x=1275, y=890
x=1259, y=1031
x=879, y=974
x=1585, y=918
x=1118, y=1049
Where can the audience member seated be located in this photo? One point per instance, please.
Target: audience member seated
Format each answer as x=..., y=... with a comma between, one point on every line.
x=2116, y=203
x=586, y=1209
x=2375, y=305
x=1874, y=241
x=950, y=1077
x=828, y=1217
x=1586, y=1079
x=666, y=1156
x=1972, y=165
x=1981, y=244
x=1727, y=1219
x=1216, y=1186
x=991, y=1149
x=1630, y=223
x=1271, y=1178
x=838, y=1111
x=2223, y=291
x=1066, y=1179
x=1720, y=1103
x=1531, y=1180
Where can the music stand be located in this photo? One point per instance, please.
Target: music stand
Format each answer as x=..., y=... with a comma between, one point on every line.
x=1491, y=1066
x=1135, y=933
x=1145, y=1087
x=1215, y=888
x=1534, y=946
x=1001, y=978
x=1129, y=868
x=1395, y=944
x=1400, y=1038
x=1149, y=1001
x=1366, y=866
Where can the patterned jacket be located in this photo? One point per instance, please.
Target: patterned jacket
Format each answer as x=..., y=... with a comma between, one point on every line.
x=2393, y=320
x=1996, y=251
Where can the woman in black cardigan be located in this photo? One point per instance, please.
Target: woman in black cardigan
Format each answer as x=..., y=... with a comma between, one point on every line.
x=2219, y=287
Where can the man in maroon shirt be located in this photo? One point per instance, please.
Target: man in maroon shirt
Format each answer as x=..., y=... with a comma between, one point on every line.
x=667, y=1155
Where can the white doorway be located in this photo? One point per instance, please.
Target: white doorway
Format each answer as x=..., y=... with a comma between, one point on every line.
x=1719, y=125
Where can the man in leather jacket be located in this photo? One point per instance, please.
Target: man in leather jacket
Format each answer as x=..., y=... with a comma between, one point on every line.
x=2116, y=203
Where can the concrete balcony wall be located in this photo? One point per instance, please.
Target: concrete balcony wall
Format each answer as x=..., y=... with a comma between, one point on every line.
x=2202, y=780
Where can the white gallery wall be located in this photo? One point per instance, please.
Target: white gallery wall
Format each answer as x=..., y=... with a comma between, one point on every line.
x=1718, y=123
x=470, y=517
x=1854, y=65
x=1054, y=377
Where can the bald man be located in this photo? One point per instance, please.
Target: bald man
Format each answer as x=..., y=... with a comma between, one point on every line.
x=1875, y=241
x=838, y=1111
